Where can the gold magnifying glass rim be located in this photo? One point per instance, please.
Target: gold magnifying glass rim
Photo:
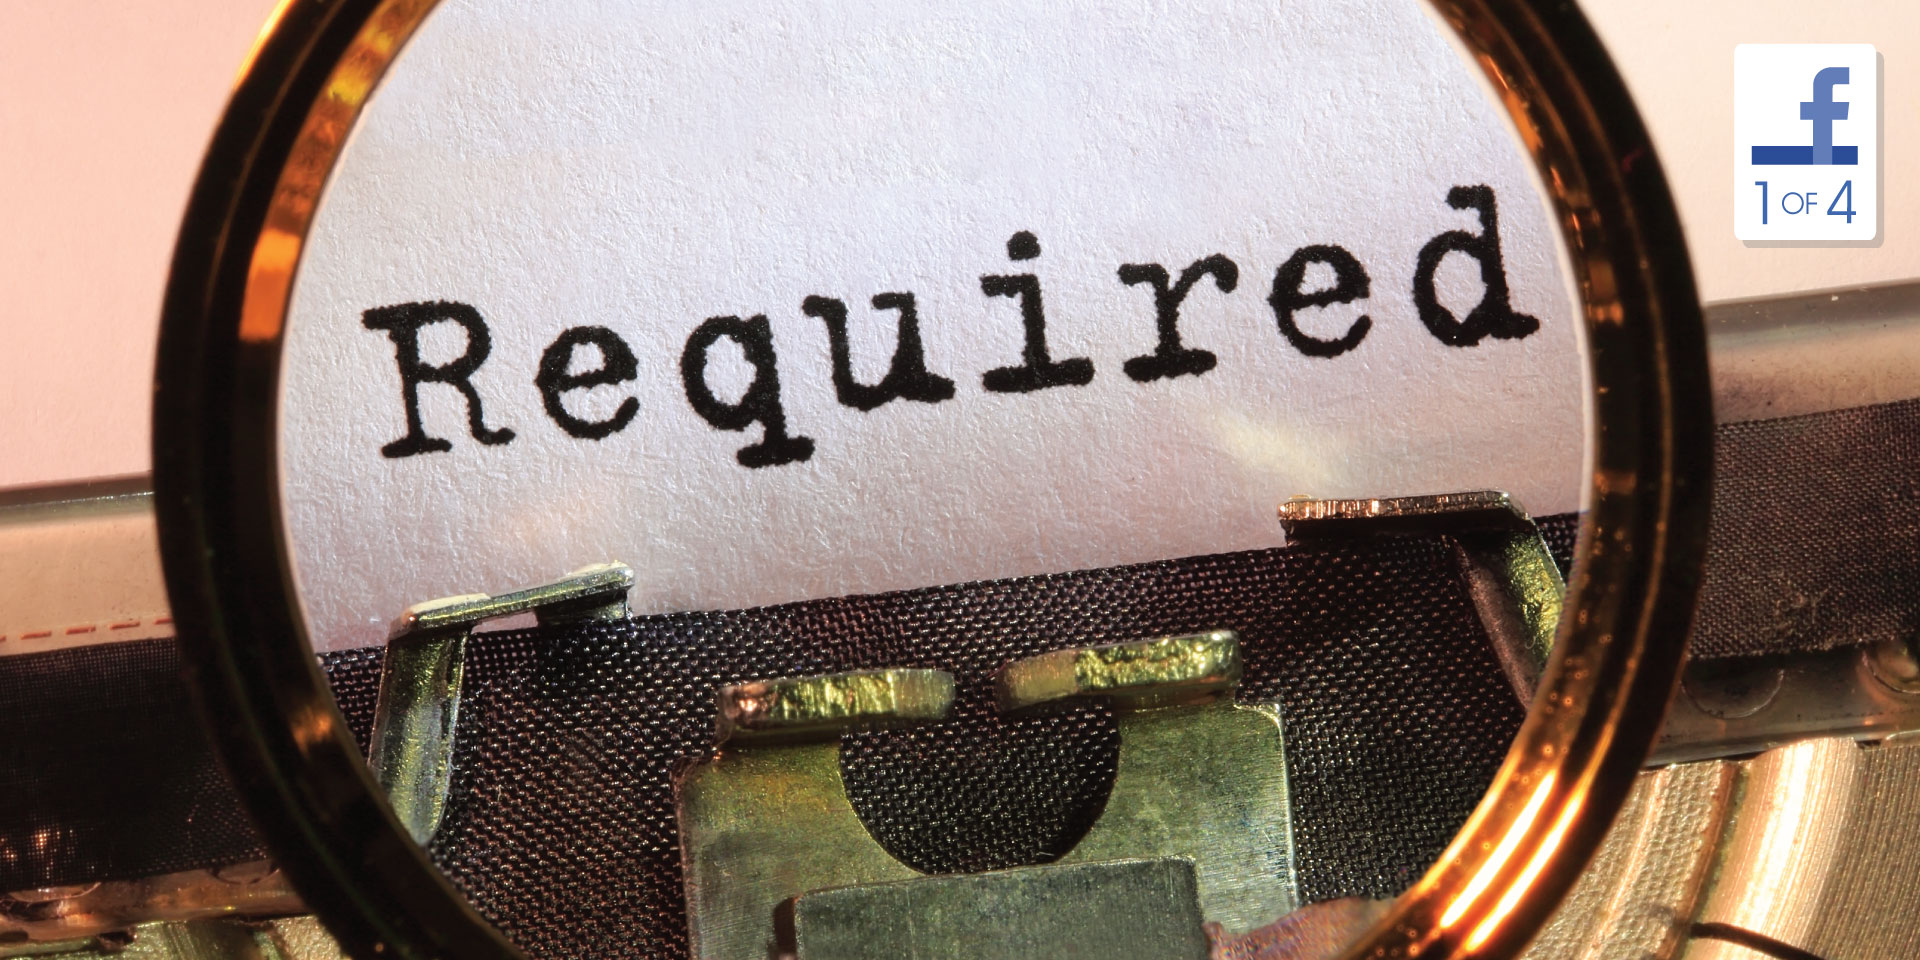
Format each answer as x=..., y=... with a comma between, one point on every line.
x=1599, y=705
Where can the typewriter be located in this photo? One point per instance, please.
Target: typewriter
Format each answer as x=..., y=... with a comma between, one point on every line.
x=852, y=481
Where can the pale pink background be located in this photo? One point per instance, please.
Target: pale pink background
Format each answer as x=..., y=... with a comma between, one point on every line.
x=105, y=108
x=106, y=105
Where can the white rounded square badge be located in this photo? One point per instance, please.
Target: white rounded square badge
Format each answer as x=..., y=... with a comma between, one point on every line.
x=1806, y=131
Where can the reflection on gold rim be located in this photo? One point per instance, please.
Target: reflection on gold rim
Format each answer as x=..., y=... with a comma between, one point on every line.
x=1592, y=720
x=1610, y=678
x=267, y=30
x=276, y=252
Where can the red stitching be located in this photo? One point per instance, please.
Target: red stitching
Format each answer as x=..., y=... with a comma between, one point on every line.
x=81, y=629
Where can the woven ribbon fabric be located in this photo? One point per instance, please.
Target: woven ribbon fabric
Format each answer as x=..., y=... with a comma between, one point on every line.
x=1816, y=533
x=105, y=771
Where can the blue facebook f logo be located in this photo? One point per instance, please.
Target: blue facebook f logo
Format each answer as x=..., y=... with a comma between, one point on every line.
x=1823, y=110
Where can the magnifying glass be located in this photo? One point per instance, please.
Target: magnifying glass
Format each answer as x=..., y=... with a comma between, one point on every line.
x=950, y=380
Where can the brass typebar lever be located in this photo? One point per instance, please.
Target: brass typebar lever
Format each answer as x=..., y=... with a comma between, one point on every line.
x=1516, y=587
x=413, y=727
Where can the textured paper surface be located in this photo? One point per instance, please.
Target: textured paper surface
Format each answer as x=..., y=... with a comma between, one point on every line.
x=644, y=167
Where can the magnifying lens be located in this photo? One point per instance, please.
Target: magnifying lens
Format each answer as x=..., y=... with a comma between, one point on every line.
x=862, y=480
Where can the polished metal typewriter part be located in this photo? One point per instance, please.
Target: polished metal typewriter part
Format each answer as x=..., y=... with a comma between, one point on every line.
x=1732, y=708
x=1810, y=850
x=1516, y=587
x=1194, y=840
x=420, y=681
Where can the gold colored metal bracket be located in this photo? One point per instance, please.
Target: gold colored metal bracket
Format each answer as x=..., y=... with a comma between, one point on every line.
x=1200, y=778
x=1149, y=673
x=1133, y=909
x=768, y=818
x=821, y=707
x=419, y=707
x=1516, y=587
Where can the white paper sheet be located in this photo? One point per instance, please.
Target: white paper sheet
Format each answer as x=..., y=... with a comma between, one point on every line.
x=644, y=167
